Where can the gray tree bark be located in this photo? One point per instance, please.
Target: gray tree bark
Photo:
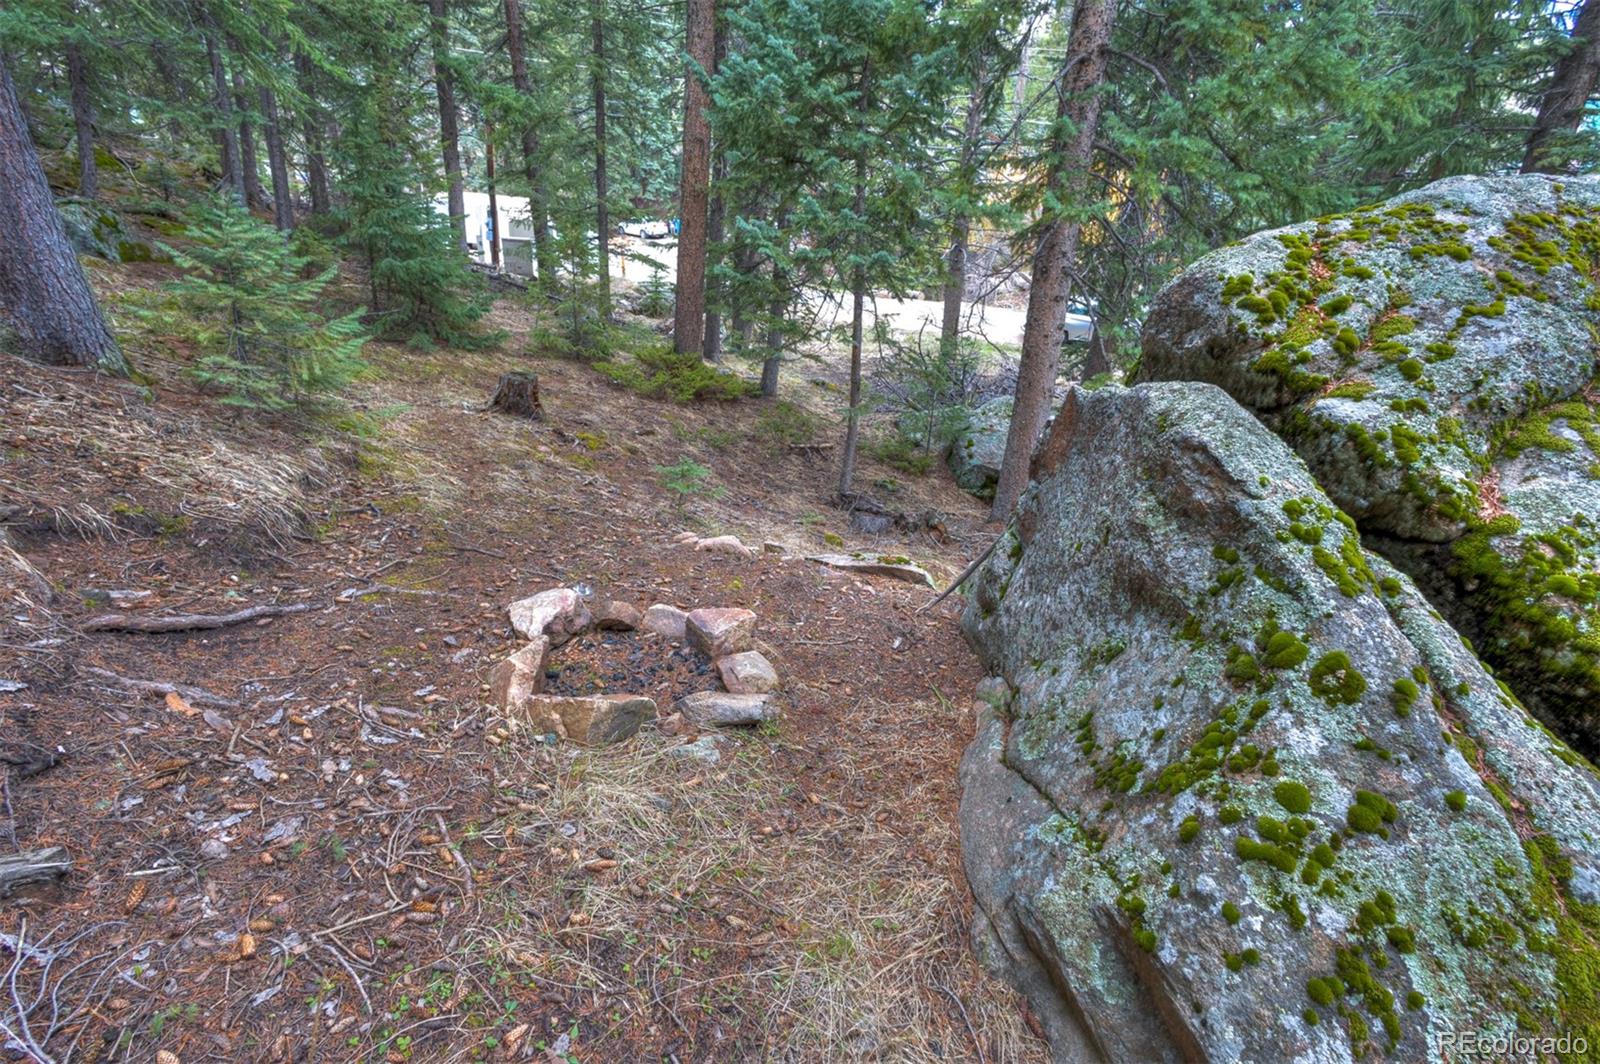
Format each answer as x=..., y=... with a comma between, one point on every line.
x=1561, y=108
x=48, y=311
x=449, y=119
x=1072, y=154
x=277, y=161
x=82, y=121
x=694, y=179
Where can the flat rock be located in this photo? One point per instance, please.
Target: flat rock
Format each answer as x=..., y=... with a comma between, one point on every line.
x=703, y=749
x=519, y=677
x=717, y=631
x=893, y=566
x=747, y=673
x=721, y=710
x=1231, y=770
x=614, y=616
x=666, y=621
x=593, y=720
x=557, y=614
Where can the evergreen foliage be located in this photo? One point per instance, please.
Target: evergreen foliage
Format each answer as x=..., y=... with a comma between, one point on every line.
x=265, y=342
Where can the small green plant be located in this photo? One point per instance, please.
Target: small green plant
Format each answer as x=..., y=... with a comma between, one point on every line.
x=655, y=300
x=903, y=453
x=785, y=424
x=687, y=479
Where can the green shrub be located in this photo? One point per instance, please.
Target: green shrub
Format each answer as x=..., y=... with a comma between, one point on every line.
x=656, y=299
x=902, y=452
x=782, y=424
x=662, y=373
x=265, y=342
x=687, y=478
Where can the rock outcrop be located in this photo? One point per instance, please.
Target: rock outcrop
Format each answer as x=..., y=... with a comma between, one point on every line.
x=1432, y=359
x=1238, y=793
x=979, y=448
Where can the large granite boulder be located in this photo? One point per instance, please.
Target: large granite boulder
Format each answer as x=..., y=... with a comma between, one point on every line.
x=1432, y=358
x=1238, y=793
x=980, y=447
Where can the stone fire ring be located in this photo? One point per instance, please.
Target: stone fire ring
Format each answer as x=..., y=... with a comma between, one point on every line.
x=553, y=617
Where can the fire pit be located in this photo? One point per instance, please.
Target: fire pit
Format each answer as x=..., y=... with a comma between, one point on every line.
x=615, y=665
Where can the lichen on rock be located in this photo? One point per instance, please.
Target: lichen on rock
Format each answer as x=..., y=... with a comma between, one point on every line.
x=1193, y=793
x=1432, y=359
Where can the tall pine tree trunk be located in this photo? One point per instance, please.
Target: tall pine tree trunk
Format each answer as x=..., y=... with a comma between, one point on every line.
x=277, y=161
x=1561, y=108
x=858, y=298
x=955, y=282
x=174, y=87
x=222, y=101
x=82, y=121
x=746, y=261
x=311, y=131
x=255, y=197
x=711, y=342
x=602, y=213
x=494, y=201
x=544, y=252
x=689, y=314
x=716, y=214
x=47, y=309
x=449, y=119
x=1055, y=259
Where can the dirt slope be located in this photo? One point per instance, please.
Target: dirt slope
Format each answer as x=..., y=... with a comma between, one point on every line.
x=344, y=857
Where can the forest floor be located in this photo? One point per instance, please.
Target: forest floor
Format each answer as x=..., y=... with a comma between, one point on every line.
x=325, y=847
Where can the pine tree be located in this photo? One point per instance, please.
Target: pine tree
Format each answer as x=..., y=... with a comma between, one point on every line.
x=47, y=309
x=266, y=342
x=420, y=285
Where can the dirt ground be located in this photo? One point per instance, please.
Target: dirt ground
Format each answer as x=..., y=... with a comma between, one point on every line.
x=326, y=846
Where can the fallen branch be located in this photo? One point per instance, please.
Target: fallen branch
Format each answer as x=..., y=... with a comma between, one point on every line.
x=32, y=866
x=161, y=687
x=966, y=574
x=185, y=622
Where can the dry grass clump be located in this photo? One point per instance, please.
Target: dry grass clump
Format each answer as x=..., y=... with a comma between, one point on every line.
x=84, y=454
x=750, y=920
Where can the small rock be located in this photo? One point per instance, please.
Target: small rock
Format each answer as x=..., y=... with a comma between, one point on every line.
x=749, y=673
x=557, y=614
x=720, y=709
x=593, y=720
x=614, y=616
x=703, y=749
x=719, y=631
x=665, y=621
x=519, y=677
x=213, y=849
x=725, y=545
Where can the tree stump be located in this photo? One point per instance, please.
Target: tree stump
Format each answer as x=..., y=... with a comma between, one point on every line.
x=517, y=393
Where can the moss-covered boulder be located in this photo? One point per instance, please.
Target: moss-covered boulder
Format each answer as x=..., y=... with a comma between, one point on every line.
x=979, y=448
x=1237, y=792
x=93, y=229
x=1432, y=358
